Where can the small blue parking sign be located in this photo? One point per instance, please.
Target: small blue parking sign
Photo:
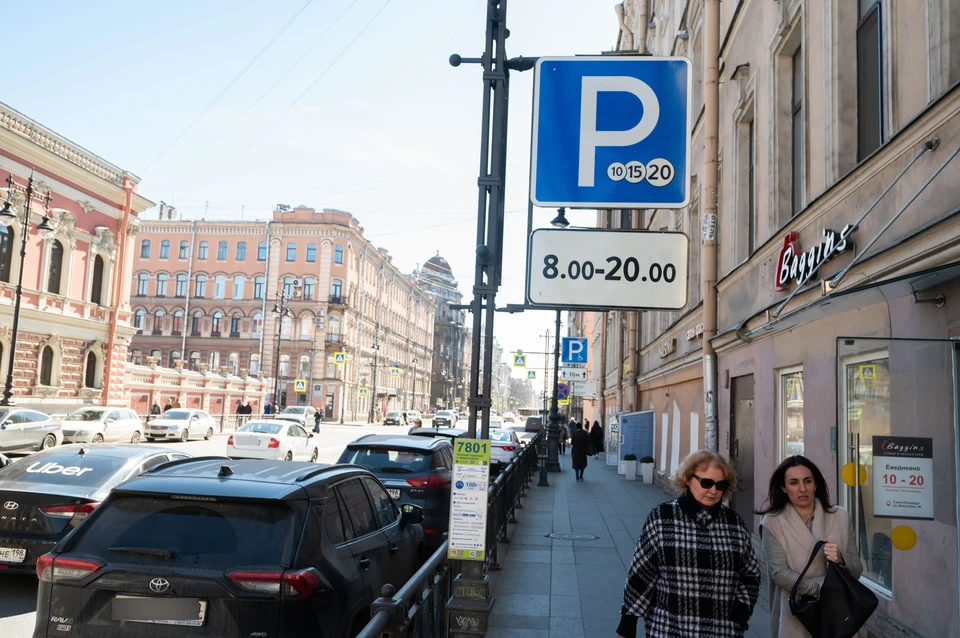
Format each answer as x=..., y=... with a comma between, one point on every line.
x=611, y=132
x=573, y=350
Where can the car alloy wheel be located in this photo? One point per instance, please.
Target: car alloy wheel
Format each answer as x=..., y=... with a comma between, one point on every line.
x=97, y=438
x=208, y=435
x=136, y=437
x=288, y=457
x=313, y=457
x=48, y=442
x=185, y=435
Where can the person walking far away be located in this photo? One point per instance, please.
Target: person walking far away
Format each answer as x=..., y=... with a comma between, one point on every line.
x=268, y=408
x=596, y=435
x=798, y=514
x=579, y=443
x=167, y=407
x=563, y=438
x=317, y=417
x=694, y=572
x=155, y=409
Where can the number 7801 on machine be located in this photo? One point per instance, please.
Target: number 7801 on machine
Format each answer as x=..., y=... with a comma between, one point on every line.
x=604, y=269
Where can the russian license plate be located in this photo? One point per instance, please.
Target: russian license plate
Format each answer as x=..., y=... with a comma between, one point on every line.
x=12, y=555
x=394, y=494
x=183, y=612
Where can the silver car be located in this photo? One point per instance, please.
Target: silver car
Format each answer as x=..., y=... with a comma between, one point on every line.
x=25, y=430
x=99, y=425
x=181, y=424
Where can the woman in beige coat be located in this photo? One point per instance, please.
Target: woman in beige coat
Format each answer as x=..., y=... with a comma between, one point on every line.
x=798, y=514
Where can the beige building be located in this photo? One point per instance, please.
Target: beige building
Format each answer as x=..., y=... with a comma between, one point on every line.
x=204, y=292
x=839, y=249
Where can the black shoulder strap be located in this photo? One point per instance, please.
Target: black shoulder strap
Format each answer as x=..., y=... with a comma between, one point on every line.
x=813, y=555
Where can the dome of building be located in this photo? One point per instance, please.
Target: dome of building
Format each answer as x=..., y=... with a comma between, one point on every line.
x=439, y=265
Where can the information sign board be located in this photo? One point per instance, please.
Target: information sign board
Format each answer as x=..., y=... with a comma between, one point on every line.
x=902, y=477
x=636, y=434
x=573, y=374
x=468, y=500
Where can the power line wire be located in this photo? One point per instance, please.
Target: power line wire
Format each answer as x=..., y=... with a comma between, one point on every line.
x=307, y=90
x=229, y=85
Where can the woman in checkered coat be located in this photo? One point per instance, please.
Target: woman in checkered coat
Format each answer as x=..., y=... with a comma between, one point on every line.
x=694, y=572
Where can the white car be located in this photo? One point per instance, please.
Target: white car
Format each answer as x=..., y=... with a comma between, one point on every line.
x=413, y=414
x=302, y=414
x=509, y=417
x=100, y=425
x=181, y=424
x=504, y=446
x=273, y=440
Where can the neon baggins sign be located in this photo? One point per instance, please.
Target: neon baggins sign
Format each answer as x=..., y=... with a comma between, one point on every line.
x=795, y=264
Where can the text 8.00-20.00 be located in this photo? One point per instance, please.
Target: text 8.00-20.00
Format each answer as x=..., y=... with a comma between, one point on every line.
x=617, y=269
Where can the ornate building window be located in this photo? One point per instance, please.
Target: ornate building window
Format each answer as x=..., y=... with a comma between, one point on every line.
x=56, y=267
x=96, y=286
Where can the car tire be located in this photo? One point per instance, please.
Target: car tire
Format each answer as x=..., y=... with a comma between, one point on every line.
x=208, y=435
x=185, y=435
x=48, y=442
x=97, y=438
x=315, y=455
x=288, y=457
x=136, y=438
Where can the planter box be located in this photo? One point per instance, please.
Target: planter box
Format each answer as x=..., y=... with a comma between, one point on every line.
x=631, y=470
x=647, y=470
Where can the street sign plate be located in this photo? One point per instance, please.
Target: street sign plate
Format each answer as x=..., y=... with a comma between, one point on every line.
x=299, y=385
x=519, y=361
x=532, y=374
x=339, y=358
x=563, y=391
x=606, y=269
x=573, y=374
x=586, y=388
x=573, y=350
x=611, y=132
x=362, y=392
x=394, y=372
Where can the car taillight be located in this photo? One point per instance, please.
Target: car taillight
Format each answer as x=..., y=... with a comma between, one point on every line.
x=274, y=443
x=69, y=511
x=508, y=448
x=304, y=582
x=51, y=568
x=230, y=440
x=428, y=481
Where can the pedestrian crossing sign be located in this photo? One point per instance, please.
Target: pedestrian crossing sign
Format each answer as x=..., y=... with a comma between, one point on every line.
x=340, y=358
x=362, y=392
x=519, y=361
x=532, y=374
x=394, y=372
x=299, y=385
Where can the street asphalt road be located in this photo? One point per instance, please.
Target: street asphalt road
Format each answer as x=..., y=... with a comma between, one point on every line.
x=18, y=594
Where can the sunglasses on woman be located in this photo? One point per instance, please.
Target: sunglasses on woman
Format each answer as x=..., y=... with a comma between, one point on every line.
x=706, y=483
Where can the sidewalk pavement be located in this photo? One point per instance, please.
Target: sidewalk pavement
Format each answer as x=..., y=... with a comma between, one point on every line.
x=550, y=588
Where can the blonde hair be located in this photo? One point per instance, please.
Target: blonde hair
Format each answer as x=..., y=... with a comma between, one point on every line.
x=703, y=459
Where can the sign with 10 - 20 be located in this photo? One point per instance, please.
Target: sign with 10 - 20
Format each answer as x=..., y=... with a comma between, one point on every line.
x=602, y=269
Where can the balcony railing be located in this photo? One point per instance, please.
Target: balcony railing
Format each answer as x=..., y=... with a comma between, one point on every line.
x=334, y=338
x=340, y=300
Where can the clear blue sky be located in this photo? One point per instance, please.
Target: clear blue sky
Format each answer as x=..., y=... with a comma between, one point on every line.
x=385, y=128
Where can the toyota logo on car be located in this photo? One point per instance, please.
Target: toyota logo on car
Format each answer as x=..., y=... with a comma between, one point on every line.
x=159, y=585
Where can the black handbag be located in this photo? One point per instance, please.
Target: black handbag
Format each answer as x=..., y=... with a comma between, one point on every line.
x=841, y=609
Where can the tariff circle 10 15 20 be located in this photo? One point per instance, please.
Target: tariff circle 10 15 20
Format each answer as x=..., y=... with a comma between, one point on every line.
x=607, y=269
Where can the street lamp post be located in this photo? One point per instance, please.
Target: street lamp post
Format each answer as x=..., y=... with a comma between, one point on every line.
x=45, y=229
x=416, y=362
x=376, y=361
x=281, y=312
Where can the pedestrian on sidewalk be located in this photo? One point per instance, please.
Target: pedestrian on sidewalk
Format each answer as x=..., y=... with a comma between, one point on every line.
x=596, y=435
x=317, y=417
x=694, y=572
x=564, y=435
x=798, y=514
x=579, y=443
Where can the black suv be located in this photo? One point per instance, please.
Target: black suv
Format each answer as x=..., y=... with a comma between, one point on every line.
x=415, y=470
x=220, y=547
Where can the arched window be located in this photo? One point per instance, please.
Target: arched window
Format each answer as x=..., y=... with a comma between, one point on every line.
x=173, y=358
x=338, y=255
x=222, y=250
x=177, y=322
x=257, y=326
x=165, y=249
x=311, y=252
x=233, y=361
x=213, y=360
x=162, y=284
x=285, y=325
x=201, y=289
x=219, y=286
x=56, y=267
x=194, y=360
x=202, y=252
x=46, y=366
x=288, y=287
x=138, y=318
x=254, y=363
x=259, y=287
x=333, y=326
x=305, y=366
x=90, y=374
x=291, y=252
x=238, y=285
x=6, y=253
x=235, y=322
x=142, y=282
x=96, y=286
x=145, y=249
x=197, y=322
x=306, y=327
x=217, y=324
x=156, y=353
x=158, y=322
x=335, y=290
x=181, y=290
x=309, y=286
x=284, y=365
x=136, y=356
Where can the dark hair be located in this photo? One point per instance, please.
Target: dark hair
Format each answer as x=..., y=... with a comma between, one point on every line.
x=778, y=499
x=579, y=425
x=596, y=424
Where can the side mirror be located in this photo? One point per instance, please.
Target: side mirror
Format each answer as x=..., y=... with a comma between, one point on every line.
x=410, y=514
x=4, y=461
x=309, y=435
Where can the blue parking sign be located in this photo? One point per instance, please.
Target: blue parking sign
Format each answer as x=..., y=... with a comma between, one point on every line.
x=611, y=132
x=573, y=350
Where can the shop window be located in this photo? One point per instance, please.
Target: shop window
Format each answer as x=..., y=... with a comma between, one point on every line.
x=791, y=412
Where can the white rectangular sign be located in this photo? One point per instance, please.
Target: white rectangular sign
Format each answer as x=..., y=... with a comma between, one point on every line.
x=586, y=388
x=902, y=477
x=603, y=269
x=573, y=374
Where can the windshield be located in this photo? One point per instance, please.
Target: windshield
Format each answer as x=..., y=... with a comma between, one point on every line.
x=394, y=414
x=501, y=435
x=386, y=461
x=176, y=415
x=262, y=428
x=294, y=410
x=446, y=413
x=140, y=530
x=86, y=414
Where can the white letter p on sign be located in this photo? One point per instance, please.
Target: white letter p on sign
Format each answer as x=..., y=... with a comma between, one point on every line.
x=591, y=138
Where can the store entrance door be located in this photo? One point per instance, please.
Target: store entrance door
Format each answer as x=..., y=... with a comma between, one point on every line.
x=741, y=446
x=897, y=455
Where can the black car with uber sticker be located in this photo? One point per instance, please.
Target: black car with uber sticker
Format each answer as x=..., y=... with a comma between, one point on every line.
x=44, y=496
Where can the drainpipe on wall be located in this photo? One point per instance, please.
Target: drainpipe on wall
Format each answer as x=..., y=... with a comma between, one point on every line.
x=359, y=335
x=118, y=289
x=708, y=260
x=641, y=35
x=263, y=306
x=187, y=324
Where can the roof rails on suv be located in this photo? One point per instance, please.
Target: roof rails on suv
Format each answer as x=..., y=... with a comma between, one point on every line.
x=192, y=459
